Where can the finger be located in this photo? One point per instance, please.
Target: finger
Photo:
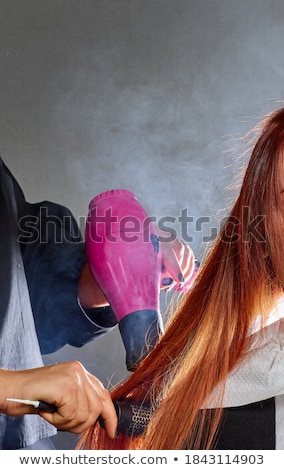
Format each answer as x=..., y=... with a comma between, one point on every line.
x=186, y=261
x=110, y=419
x=172, y=268
x=108, y=413
x=187, y=264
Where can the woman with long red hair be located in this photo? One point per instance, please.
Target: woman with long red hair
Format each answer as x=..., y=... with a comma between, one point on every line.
x=218, y=327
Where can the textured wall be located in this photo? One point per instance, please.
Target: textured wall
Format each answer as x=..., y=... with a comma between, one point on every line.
x=148, y=95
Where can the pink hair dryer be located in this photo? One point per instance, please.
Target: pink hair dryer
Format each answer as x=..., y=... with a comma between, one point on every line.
x=123, y=254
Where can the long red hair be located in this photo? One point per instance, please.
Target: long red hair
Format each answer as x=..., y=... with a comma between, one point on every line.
x=209, y=332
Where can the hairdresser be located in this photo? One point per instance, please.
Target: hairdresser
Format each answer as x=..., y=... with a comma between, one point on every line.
x=48, y=299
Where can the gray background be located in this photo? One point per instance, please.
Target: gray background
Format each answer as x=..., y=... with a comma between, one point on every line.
x=147, y=95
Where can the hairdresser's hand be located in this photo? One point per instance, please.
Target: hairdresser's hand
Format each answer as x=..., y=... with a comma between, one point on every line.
x=178, y=261
x=80, y=397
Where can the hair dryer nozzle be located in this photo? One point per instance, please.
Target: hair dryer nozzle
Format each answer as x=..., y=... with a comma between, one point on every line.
x=139, y=332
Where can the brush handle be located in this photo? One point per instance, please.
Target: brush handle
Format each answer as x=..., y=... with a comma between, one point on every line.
x=43, y=406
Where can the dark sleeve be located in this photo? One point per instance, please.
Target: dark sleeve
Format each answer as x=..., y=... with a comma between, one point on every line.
x=54, y=254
